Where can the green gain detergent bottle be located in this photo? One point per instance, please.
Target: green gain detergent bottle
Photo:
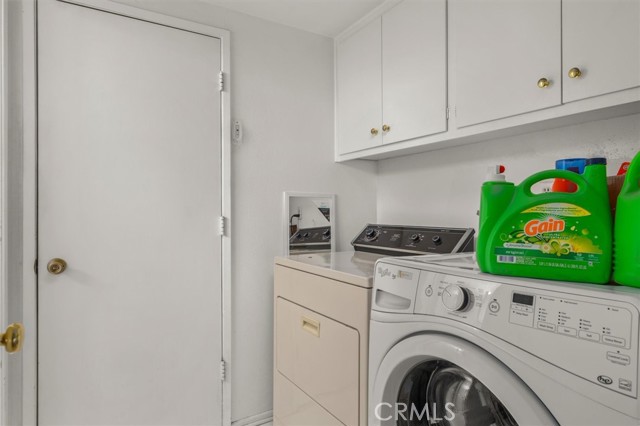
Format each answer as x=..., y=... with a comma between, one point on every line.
x=555, y=235
x=626, y=268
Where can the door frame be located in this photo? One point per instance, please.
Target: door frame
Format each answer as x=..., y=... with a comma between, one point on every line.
x=29, y=186
x=3, y=206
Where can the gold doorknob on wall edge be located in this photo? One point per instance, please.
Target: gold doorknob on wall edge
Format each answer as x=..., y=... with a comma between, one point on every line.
x=543, y=82
x=13, y=338
x=56, y=266
x=386, y=128
x=374, y=131
x=575, y=73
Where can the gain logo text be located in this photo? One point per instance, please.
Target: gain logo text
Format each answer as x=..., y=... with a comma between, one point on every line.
x=535, y=227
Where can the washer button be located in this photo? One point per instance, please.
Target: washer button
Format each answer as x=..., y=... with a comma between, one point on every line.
x=588, y=335
x=616, y=341
x=546, y=326
x=567, y=331
x=428, y=291
x=617, y=358
x=494, y=306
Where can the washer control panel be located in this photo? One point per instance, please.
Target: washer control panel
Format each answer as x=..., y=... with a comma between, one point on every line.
x=595, y=338
x=590, y=337
x=596, y=322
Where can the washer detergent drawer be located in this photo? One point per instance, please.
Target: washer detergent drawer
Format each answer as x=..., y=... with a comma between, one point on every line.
x=320, y=356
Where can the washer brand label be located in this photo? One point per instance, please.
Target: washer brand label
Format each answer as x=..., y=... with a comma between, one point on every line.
x=605, y=380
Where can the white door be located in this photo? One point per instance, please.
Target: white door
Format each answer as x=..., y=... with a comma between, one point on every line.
x=414, y=70
x=454, y=380
x=359, y=90
x=129, y=191
x=601, y=38
x=502, y=51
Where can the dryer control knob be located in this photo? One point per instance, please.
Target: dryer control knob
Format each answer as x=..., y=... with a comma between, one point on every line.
x=455, y=298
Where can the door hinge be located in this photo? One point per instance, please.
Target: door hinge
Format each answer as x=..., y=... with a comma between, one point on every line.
x=223, y=370
x=35, y=266
x=222, y=226
x=447, y=113
x=221, y=81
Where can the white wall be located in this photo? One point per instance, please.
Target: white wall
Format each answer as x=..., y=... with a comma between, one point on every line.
x=282, y=90
x=442, y=188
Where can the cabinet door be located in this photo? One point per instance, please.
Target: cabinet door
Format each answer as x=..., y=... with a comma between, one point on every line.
x=414, y=67
x=601, y=38
x=359, y=91
x=502, y=49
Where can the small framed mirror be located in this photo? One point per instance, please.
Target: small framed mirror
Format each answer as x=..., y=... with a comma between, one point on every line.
x=308, y=223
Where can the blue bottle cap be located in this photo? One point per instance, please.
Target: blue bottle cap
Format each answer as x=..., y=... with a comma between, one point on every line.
x=597, y=160
x=575, y=165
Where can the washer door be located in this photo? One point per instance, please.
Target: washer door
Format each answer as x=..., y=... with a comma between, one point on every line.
x=437, y=379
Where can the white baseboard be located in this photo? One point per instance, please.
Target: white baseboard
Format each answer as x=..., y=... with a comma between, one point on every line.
x=257, y=420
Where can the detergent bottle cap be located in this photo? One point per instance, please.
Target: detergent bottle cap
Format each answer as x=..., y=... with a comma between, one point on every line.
x=596, y=161
x=495, y=174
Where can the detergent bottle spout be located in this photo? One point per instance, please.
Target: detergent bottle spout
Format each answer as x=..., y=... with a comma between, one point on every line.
x=496, y=174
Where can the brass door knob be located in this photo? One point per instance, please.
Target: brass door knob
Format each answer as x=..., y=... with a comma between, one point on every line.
x=56, y=266
x=386, y=128
x=575, y=73
x=13, y=338
x=543, y=82
x=374, y=131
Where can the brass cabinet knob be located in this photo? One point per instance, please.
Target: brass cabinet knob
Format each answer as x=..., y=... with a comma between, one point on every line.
x=575, y=73
x=543, y=82
x=56, y=266
x=13, y=338
x=386, y=128
x=374, y=131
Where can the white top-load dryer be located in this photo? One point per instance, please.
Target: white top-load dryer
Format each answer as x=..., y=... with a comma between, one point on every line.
x=465, y=348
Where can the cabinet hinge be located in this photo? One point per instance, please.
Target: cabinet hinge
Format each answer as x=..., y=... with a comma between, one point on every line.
x=35, y=266
x=447, y=113
x=223, y=370
x=222, y=226
x=221, y=81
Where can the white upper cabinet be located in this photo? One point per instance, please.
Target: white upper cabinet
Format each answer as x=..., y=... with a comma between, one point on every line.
x=499, y=67
x=414, y=70
x=391, y=82
x=506, y=57
x=601, y=47
x=358, y=90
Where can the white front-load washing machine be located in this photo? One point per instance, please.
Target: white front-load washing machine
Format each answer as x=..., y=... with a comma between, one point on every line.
x=452, y=346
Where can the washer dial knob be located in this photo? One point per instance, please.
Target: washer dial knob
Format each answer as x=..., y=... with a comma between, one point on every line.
x=455, y=298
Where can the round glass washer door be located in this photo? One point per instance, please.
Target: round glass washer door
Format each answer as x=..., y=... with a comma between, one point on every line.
x=447, y=394
x=438, y=379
